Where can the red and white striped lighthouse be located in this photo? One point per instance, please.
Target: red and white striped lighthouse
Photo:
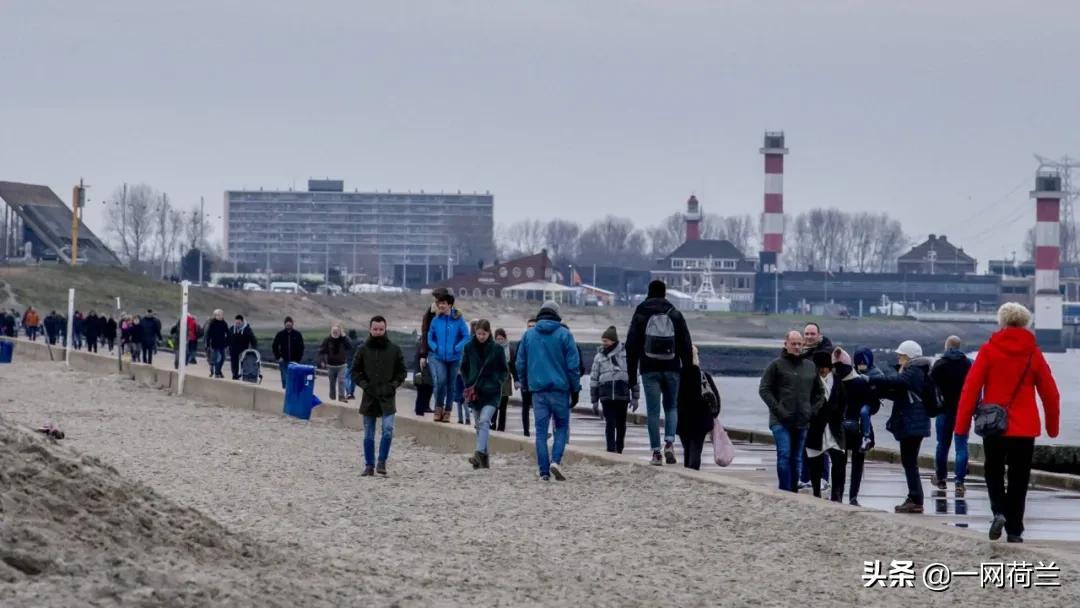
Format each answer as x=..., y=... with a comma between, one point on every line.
x=1048, y=313
x=773, y=220
x=693, y=219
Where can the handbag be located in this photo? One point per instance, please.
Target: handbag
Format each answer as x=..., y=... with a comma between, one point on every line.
x=723, y=449
x=469, y=395
x=991, y=419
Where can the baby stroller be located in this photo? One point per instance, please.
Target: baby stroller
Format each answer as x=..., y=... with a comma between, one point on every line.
x=251, y=366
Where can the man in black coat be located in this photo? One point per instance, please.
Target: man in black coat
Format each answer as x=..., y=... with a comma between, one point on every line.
x=150, y=328
x=948, y=374
x=659, y=343
x=288, y=348
x=241, y=338
x=815, y=342
x=217, y=340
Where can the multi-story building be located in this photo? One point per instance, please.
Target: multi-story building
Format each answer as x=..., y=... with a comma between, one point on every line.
x=400, y=237
x=936, y=255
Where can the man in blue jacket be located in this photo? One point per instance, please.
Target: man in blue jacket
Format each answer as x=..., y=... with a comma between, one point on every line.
x=548, y=367
x=446, y=341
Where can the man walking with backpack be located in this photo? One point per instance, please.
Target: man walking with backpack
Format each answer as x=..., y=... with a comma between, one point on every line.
x=659, y=343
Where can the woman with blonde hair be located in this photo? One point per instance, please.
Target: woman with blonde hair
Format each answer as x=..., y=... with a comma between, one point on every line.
x=1000, y=393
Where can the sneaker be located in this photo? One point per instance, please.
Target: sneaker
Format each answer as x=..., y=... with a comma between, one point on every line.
x=556, y=472
x=1014, y=538
x=866, y=445
x=657, y=459
x=908, y=506
x=368, y=472
x=824, y=485
x=997, y=526
x=854, y=502
x=961, y=491
x=805, y=484
x=545, y=478
x=380, y=468
x=669, y=453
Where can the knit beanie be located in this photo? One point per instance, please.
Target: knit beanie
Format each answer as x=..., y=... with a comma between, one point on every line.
x=611, y=334
x=550, y=305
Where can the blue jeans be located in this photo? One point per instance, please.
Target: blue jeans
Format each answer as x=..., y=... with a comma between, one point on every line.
x=217, y=360
x=548, y=404
x=864, y=421
x=790, y=443
x=350, y=386
x=283, y=367
x=384, y=443
x=483, y=415
x=443, y=375
x=657, y=386
x=946, y=423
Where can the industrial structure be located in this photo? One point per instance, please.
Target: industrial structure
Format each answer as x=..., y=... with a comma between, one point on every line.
x=38, y=226
x=407, y=239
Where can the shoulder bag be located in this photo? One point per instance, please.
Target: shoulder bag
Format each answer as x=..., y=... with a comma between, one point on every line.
x=991, y=419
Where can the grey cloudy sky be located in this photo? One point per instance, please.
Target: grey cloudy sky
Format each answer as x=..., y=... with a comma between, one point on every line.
x=928, y=110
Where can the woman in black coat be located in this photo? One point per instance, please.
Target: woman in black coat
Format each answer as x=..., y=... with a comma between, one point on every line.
x=695, y=411
x=858, y=395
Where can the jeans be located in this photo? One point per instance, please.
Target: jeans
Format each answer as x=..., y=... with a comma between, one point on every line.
x=350, y=386
x=548, y=405
x=148, y=350
x=909, y=457
x=615, y=424
x=657, y=386
x=189, y=355
x=384, y=443
x=217, y=360
x=464, y=412
x=32, y=332
x=283, y=369
x=790, y=443
x=945, y=423
x=336, y=373
x=1008, y=498
x=483, y=415
x=864, y=421
x=443, y=375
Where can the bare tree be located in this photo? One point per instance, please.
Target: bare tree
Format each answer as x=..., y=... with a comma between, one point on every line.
x=525, y=237
x=666, y=236
x=167, y=225
x=830, y=239
x=562, y=238
x=862, y=236
x=131, y=220
x=613, y=240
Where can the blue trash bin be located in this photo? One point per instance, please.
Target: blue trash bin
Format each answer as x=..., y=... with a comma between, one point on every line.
x=300, y=390
x=7, y=351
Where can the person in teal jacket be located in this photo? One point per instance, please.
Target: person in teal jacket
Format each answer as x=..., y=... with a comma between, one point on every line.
x=446, y=341
x=549, y=369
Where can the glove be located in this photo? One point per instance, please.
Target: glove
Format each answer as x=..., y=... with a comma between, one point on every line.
x=574, y=398
x=633, y=405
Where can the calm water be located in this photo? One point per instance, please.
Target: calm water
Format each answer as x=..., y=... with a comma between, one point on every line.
x=742, y=408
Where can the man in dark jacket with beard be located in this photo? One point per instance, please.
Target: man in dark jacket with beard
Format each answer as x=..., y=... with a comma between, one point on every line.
x=379, y=370
x=659, y=343
x=241, y=338
x=288, y=348
x=949, y=373
x=792, y=391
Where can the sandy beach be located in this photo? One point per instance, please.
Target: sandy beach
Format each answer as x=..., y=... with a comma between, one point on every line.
x=194, y=504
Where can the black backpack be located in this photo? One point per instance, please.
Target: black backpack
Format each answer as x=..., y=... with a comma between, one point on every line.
x=930, y=396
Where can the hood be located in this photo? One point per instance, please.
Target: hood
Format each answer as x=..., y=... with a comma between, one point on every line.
x=863, y=356
x=954, y=355
x=241, y=329
x=654, y=306
x=548, y=326
x=548, y=315
x=924, y=361
x=1013, y=341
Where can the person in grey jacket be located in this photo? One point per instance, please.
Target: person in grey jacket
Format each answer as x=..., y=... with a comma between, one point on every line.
x=793, y=393
x=609, y=386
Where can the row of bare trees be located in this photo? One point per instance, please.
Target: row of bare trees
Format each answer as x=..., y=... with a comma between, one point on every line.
x=149, y=229
x=822, y=239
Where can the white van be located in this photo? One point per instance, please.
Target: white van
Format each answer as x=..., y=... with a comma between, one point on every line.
x=286, y=287
x=252, y=287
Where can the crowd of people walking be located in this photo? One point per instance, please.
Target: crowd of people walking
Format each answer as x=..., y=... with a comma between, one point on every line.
x=820, y=399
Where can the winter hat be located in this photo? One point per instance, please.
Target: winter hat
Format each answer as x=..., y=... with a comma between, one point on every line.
x=840, y=356
x=657, y=289
x=864, y=356
x=550, y=305
x=611, y=334
x=910, y=348
x=822, y=359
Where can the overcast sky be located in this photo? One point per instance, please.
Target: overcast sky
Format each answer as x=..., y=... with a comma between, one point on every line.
x=928, y=110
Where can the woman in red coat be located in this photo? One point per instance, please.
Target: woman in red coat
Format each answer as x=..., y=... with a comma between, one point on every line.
x=1010, y=363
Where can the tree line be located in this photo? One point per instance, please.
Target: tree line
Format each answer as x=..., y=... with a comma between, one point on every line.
x=819, y=239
